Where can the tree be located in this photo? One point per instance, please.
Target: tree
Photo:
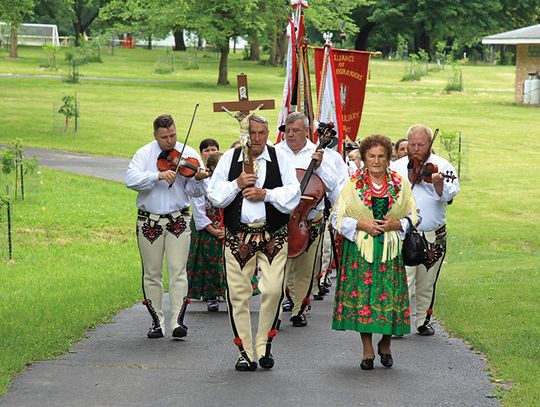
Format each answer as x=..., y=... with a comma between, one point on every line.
x=14, y=11
x=220, y=20
x=83, y=13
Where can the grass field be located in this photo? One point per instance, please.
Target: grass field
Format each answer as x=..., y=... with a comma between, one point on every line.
x=488, y=291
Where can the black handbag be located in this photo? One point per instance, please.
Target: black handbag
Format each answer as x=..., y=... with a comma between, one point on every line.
x=414, y=248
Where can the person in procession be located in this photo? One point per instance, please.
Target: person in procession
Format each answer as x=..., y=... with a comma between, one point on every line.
x=331, y=245
x=401, y=148
x=205, y=272
x=371, y=286
x=162, y=222
x=299, y=271
x=432, y=196
x=256, y=213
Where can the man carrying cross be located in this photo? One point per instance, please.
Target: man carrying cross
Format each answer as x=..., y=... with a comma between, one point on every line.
x=256, y=212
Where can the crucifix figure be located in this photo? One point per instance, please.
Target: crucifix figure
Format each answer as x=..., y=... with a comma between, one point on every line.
x=244, y=105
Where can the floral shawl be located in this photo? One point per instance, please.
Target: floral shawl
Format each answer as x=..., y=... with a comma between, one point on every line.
x=355, y=201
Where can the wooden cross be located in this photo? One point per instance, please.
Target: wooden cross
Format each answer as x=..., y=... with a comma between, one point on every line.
x=244, y=105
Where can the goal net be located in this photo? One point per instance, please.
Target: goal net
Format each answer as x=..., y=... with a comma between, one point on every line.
x=31, y=34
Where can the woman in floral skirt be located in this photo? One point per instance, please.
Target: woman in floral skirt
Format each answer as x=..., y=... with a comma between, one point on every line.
x=371, y=292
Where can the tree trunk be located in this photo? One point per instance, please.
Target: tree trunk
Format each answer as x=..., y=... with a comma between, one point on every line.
x=273, y=47
x=421, y=40
x=13, y=41
x=149, y=45
x=179, y=44
x=254, y=52
x=223, y=58
x=282, y=46
x=361, y=39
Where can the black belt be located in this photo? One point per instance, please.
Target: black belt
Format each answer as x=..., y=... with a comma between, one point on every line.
x=183, y=212
x=245, y=227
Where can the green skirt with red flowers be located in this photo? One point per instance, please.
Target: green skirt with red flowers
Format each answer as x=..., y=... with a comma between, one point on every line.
x=371, y=297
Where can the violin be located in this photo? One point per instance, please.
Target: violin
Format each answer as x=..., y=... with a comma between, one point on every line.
x=172, y=160
x=312, y=192
x=419, y=170
x=418, y=173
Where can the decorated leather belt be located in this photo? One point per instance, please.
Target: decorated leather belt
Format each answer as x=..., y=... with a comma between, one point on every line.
x=441, y=230
x=259, y=227
x=175, y=214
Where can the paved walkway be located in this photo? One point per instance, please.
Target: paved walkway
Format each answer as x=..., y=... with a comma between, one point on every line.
x=315, y=366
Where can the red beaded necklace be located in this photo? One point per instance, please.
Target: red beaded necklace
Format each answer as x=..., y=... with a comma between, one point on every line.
x=378, y=192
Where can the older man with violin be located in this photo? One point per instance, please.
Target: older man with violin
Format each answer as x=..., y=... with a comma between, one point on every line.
x=317, y=177
x=165, y=174
x=434, y=186
x=257, y=186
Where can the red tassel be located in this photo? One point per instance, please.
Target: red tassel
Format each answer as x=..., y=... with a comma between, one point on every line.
x=429, y=311
x=238, y=341
x=188, y=300
x=306, y=301
x=319, y=276
x=146, y=301
x=272, y=333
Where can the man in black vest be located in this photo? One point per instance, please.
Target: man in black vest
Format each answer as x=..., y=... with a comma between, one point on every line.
x=256, y=217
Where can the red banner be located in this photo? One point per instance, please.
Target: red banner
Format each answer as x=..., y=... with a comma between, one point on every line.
x=351, y=72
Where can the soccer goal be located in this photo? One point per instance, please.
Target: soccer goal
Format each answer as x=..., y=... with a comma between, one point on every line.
x=31, y=34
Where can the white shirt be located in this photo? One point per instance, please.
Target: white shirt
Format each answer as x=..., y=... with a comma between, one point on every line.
x=341, y=172
x=198, y=210
x=431, y=206
x=154, y=195
x=221, y=191
x=303, y=158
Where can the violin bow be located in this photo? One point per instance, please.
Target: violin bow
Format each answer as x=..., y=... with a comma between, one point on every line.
x=185, y=142
x=425, y=158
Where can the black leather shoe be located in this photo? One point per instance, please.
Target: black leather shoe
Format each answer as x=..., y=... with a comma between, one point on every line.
x=318, y=296
x=213, y=306
x=386, y=358
x=367, y=364
x=426, y=330
x=267, y=362
x=327, y=282
x=299, y=320
x=180, y=331
x=287, y=306
x=242, y=365
x=155, y=332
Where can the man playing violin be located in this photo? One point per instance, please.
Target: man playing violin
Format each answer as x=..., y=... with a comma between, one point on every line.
x=257, y=207
x=163, y=222
x=434, y=186
x=300, y=269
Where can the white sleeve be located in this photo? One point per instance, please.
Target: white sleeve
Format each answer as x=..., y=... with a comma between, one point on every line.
x=287, y=197
x=198, y=208
x=348, y=226
x=194, y=188
x=137, y=177
x=327, y=176
x=220, y=191
x=451, y=188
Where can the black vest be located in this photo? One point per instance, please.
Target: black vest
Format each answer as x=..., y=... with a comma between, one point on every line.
x=274, y=218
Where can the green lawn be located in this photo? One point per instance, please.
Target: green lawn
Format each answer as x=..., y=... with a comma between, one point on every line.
x=488, y=291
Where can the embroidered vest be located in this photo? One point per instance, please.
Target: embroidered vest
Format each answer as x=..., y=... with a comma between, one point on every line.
x=274, y=218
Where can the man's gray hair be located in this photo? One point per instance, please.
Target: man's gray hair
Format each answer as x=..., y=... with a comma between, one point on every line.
x=294, y=116
x=259, y=119
x=415, y=128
